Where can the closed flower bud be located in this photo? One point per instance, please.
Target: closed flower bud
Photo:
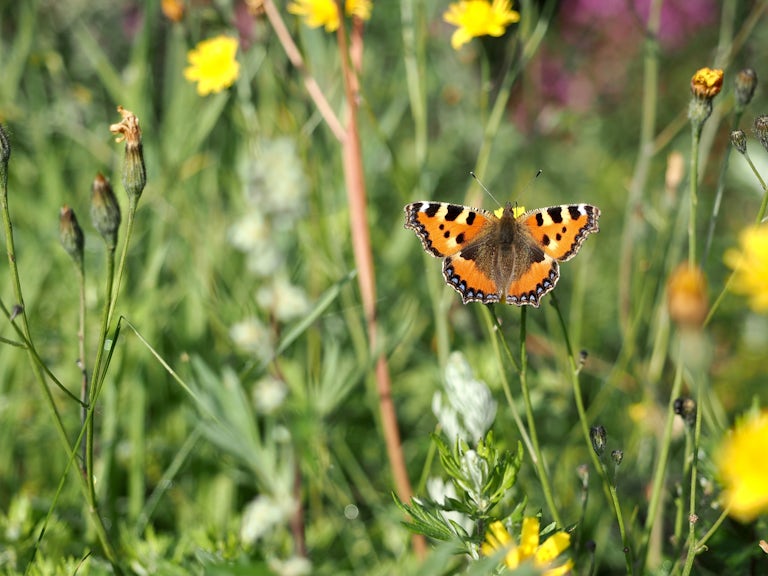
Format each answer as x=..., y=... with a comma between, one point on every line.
x=739, y=140
x=105, y=211
x=687, y=296
x=134, y=172
x=599, y=437
x=760, y=128
x=707, y=83
x=71, y=235
x=746, y=82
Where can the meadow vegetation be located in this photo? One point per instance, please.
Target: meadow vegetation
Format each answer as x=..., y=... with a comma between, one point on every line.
x=222, y=353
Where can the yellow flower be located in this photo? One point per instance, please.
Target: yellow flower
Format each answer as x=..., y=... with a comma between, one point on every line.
x=325, y=13
x=687, y=296
x=707, y=83
x=750, y=265
x=479, y=18
x=497, y=538
x=743, y=468
x=212, y=64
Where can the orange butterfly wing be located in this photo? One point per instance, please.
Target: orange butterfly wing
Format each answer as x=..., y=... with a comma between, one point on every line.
x=444, y=228
x=561, y=230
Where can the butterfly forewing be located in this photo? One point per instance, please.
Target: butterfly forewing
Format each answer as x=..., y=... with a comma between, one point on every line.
x=445, y=228
x=560, y=230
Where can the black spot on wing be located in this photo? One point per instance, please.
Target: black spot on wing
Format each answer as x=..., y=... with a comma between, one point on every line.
x=539, y=219
x=471, y=217
x=574, y=212
x=460, y=238
x=556, y=213
x=453, y=212
x=432, y=209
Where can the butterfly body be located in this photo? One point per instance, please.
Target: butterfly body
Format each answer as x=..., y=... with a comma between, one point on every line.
x=490, y=258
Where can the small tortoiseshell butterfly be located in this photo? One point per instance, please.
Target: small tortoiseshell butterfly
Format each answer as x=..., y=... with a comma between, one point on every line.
x=489, y=258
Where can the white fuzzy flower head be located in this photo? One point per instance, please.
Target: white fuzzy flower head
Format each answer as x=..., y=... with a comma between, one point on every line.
x=284, y=300
x=254, y=337
x=293, y=566
x=269, y=393
x=466, y=409
x=275, y=180
x=263, y=514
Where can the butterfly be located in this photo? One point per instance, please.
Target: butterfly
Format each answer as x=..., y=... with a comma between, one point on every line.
x=489, y=258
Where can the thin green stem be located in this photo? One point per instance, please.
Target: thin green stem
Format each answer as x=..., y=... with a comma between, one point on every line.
x=538, y=461
x=692, y=518
x=81, y=360
x=694, y=185
x=719, y=193
x=654, y=505
x=608, y=486
x=632, y=223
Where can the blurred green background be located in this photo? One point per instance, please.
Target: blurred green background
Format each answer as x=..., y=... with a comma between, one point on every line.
x=243, y=232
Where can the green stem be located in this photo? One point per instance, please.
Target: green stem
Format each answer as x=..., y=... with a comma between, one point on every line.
x=661, y=464
x=694, y=185
x=692, y=518
x=608, y=486
x=538, y=460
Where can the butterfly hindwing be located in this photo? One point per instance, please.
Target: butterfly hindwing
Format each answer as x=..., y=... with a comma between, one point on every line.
x=560, y=230
x=464, y=276
x=537, y=280
x=444, y=228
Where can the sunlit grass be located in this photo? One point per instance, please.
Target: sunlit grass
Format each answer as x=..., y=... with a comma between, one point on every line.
x=266, y=391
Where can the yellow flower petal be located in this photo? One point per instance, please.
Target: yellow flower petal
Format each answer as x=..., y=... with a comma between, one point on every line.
x=213, y=65
x=317, y=13
x=750, y=265
x=497, y=538
x=479, y=18
x=743, y=468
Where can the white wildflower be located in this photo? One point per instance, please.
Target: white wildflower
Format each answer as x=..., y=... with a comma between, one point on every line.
x=269, y=393
x=252, y=336
x=284, y=300
x=466, y=409
x=263, y=514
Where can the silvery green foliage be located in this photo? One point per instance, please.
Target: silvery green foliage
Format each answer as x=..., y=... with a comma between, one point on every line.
x=465, y=409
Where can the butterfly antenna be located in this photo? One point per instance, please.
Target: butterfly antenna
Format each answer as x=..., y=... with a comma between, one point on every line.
x=484, y=188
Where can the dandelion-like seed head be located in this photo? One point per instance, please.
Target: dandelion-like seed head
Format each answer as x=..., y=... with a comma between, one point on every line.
x=475, y=18
x=687, y=296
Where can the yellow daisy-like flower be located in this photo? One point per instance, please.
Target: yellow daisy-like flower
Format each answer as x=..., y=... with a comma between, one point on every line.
x=324, y=13
x=744, y=468
x=212, y=65
x=543, y=556
x=750, y=265
x=479, y=18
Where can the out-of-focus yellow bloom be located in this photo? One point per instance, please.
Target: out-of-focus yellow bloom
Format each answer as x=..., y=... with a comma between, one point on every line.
x=173, y=10
x=750, y=265
x=707, y=83
x=687, y=296
x=543, y=556
x=317, y=13
x=744, y=468
x=212, y=65
x=479, y=18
